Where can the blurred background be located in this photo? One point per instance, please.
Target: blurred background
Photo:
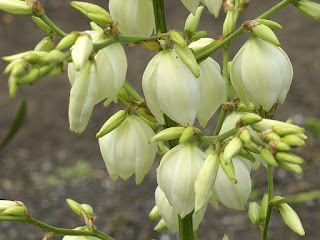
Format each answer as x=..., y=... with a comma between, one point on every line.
x=45, y=163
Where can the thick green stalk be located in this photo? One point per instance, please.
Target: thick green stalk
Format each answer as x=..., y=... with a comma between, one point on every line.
x=213, y=47
x=159, y=16
x=220, y=137
x=132, y=92
x=57, y=231
x=186, y=227
x=269, y=210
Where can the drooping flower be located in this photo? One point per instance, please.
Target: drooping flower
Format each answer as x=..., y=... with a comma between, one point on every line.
x=135, y=17
x=213, y=6
x=136, y=157
x=169, y=213
x=261, y=73
x=177, y=174
x=170, y=87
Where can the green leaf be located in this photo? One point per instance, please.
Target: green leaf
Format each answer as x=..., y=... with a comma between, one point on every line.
x=16, y=124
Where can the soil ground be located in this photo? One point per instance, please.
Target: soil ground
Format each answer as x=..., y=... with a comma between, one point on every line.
x=45, y=163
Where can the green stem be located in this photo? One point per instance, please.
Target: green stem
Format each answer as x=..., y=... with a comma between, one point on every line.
x=186, y=227
x=159, y=16
x=220, y=137
x=54, y=27
x=132, y=92
x=269, y=210
x=57, y=231
x=213, y=47
x=225, y=74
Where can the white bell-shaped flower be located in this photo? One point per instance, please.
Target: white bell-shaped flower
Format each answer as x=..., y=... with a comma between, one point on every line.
x=177, y=174
x=135, y=17
x=170, y=215
x=213, y=6
x=233, y=195
x=191, y=5
x=261, y=73
x=170, y=87
x=126, y=149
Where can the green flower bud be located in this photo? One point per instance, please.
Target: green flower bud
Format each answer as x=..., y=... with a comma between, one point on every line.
x=250, y=118
x=57, y=70
x=293, y=140
x=309, y=8
x=75, y=206
x=188, y=58
x=193, y=19
x=302, y=136
x=201, y=43
x=161, y=226
x=81, y=51
x=67, y=41
x=205, y=181
x=289, y=157
x=169, y=86
x=229, y=23
x=265, y=33
x=291, y=218
x=183, y=163
x=154, y=213
x=291, y=167
x=93, y=12
x=42, y=25
x=245, y=136
x=13, y=86
x=87, y=209
x=101, y=19
x=170, y=215
x=272, y=137
x=187, y=134
x=264, y=206
x=46, y=44
x=198, y=35
x=270, y=24
x=267, y=155
x=112, y=123
x=15, y=211
x=213, y=6
x=168, y=134
x=30, y=77
x=18, y=68
x=252, y=147
x=228, y=169
x=15, y=7
x=232, y=149
x=251, y=76
x=281, y=146
x=135, y=17
x=254, y=213
x=177, y=38
x=22, y=55
x=277, y=201
x=5, y=204
x=163, y=148
x=52, y=57
x=283, y=130
x=138, y=155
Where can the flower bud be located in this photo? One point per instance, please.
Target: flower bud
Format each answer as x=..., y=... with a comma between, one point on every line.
x=251, y=76
x=30, y=77
x=291, y=218
x=293, y=140
x=225, y=237
x=232, y=149
x=228, y=169
x=15, y=211
x=230, y=194
x=283, y=130
x=187, y=134
x=245, y=136
x=201, y=43
x=183, y=164
x=67, y=41
x=177, y=38
x=292, y=167
x=254, y=213
x=193, y=20
x=229, y=23
x=213, y=6
x=205, y=181
x=5, y=204
x=277, y=201
x=169, y=86
x=168, y=134
x=309, y=8
x=52, y=57
x=270, y=24
x=138, y=155
x=289, y=157
x=267, y=155
x=154, y=213
x=95, y=27
x=15, y=7
x=198, y=35
x=135, y=17
x=247, y=155
x=75, y=206
x=264, y=32
x=161, y=226
x=170, y=215
x=46, y=44
x=112, y=123
x=272, y=137
x=250, y=118
x=81, y=51
x=87, y=209
x=188, y=58
x=42, y=25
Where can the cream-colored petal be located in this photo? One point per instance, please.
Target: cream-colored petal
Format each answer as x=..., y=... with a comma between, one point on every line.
x=191, y=5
